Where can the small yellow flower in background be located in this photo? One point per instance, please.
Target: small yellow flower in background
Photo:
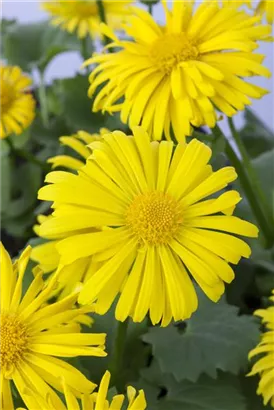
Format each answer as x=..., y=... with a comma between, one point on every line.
x=150, y=195
x=83, y=16
x=95, y=401
x=177, y=75
x=17, y=104
x=265, y=365
x=46, y=254
x=266, y=7
x=34, y=335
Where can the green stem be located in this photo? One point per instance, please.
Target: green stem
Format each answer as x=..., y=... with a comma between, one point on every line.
x=150, y=8
x=103, y=19
x=26, y=155
x=84, y=48
x=116, y=363
x=250, y=192
x=43, y=101
x=250, y=169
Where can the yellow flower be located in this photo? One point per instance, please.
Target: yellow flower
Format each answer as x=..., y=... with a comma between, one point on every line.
x=95, y=401
x=34, y=335
x=150, y=194
x=78, y=143
x=266, y=7
x=265, y=365
x=46, y=253
x=17, y=104
x=178, y=74
x=83, y=16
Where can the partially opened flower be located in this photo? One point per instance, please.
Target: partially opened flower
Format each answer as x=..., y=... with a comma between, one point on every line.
x=34, y=335
x=164, y=225
x=95, y=401
x=264, y=366
x=177, y=75
x=83, y=16
x=45, y=254
x=17, y=103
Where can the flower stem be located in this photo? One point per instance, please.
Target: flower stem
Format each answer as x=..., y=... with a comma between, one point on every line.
x=26, y=155
x=43, y=100
x=117, y=358
x=250, y=169
x=150, y=8
x=84, y=48
x=249, y=190
x=102, y=14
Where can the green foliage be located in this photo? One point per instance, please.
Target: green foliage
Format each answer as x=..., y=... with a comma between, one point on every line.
x=222, y=393
x=77, y=107
x=255, y=135
x=36, y=44
x=214, y=338
x=135, y=354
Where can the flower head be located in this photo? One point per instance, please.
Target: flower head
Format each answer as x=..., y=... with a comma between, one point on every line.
x=83, y=17
x=17, y=104
x=177, y=75
x=95, y=401
x=161, y=227
x=34, y=335
x=265, y=365
x=46, y=253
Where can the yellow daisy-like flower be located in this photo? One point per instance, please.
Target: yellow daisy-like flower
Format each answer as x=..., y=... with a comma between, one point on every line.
x=177, y=75
x=265, y=365
x=83, y=16
x=17, y=104
x=266, y=7
x=150, y=194
x=34, y=335
x=95, y=401
x=46, y=253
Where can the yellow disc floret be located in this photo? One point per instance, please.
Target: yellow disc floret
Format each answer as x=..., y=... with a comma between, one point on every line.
x=154, y=217
x=14, y=341
x=171, y=49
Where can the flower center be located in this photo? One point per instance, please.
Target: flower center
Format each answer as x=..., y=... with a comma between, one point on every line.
x=7, y=96
x=14, y=341
x=154, y=217
x=171, y=49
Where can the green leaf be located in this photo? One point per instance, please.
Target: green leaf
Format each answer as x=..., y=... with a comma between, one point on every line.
x=77, y=107
x=255, y=135
x=264, y=165
x=215, y=338
x=206, y=394
x=35, y=45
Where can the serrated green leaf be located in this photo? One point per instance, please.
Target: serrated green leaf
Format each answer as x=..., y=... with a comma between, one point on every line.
x=255, y=135
x=163, y=392
x=214, y=338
